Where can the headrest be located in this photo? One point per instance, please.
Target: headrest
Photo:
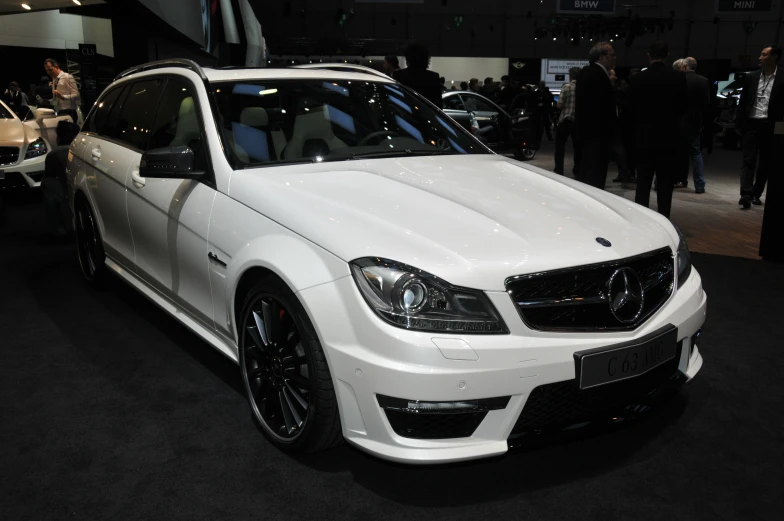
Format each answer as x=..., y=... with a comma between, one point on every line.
x=254, y=117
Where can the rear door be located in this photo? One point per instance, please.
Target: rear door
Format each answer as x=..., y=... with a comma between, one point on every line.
x=170, y=217
x=105, y=160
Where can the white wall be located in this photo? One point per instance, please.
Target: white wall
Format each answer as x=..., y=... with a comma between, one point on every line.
x=54, y=30
x=463, y=69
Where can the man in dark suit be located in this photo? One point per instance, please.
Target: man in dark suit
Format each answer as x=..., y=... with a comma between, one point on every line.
x=691, y=127
x=597, y=117
x=53, y=185
x=761, y=105
x=416, y=76
x=658, y=97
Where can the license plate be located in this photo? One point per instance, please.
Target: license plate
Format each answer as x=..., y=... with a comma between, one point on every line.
x=605, y=365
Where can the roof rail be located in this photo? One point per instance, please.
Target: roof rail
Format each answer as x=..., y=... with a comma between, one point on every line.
x=173, y=62
x=349, y=67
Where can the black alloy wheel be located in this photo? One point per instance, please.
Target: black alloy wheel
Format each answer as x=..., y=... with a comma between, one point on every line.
x=525, y=154
x=88, y=244
x=285, y=373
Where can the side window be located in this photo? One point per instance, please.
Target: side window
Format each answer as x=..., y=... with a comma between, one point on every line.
x=96, y=120
x=138, y=110
x=177, y=121
x=473, y=103
x=453, y=103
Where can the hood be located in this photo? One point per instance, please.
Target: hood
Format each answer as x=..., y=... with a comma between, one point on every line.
x=471, y=220
x=12, y=132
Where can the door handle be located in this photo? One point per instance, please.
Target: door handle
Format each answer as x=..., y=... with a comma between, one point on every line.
x=137, y=179
x=96, y=152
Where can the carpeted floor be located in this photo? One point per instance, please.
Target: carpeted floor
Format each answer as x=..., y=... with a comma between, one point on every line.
x=111, y=410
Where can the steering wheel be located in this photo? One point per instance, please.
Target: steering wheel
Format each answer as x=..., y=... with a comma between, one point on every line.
x=377, y=134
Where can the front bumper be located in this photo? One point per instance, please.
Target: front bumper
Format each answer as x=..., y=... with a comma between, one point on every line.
x=368, y=357
x=27, y=173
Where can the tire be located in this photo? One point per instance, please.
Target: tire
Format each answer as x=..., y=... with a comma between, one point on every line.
x=89, y=245
x=525, y=154
x=284, y=371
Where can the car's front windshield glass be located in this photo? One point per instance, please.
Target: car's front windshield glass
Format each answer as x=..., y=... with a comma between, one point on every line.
x=272, y=122
x=5, y=113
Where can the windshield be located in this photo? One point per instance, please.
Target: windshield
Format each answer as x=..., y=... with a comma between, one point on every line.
x=5, y=113
x=270, y=122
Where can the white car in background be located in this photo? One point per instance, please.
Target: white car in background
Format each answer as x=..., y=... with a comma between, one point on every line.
x=22, y=151
x=378, y=274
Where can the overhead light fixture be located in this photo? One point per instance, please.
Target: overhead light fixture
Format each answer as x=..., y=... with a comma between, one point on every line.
x=77, y=2
x=268, y=91
x=25, y=6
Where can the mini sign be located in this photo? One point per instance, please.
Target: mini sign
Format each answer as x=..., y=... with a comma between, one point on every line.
x=742, y=6
x=586, y=6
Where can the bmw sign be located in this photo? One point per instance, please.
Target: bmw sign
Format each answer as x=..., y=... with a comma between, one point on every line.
x=587, y=6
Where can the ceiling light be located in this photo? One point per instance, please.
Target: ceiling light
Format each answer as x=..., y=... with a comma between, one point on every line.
x=26, y=6
x=77, y=2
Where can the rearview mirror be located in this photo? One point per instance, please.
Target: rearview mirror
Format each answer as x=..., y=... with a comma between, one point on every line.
x=169, y=163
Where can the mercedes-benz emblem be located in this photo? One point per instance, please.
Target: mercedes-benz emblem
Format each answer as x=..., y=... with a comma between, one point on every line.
x=603, y=242
x=626, y=295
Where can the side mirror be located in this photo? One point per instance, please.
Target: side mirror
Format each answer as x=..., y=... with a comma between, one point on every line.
x=169, y=163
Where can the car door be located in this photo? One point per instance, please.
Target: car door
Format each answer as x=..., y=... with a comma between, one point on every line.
x=455, y=108
x=106, y=160
x=170, y=217
x=483, y=111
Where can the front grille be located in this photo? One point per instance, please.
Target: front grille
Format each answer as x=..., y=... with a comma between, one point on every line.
x=9, y=155
x=434, y=426
x=561, y=404
x=576, y=299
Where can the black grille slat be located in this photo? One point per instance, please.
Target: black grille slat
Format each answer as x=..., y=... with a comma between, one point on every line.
x=569, y=286
x=9, y=155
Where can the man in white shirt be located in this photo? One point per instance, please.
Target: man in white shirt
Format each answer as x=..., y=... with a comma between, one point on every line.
x=761, y=105
x=66, y=95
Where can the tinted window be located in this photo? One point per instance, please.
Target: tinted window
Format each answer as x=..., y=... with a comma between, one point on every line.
x=453, y=103
x=473, y=103
x=98, y=116
x=177, y=121
x=138, y=110
x=332, y=120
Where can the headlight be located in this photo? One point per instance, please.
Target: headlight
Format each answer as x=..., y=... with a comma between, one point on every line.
x=410, y=298
x=684, y=259
x=36, y=148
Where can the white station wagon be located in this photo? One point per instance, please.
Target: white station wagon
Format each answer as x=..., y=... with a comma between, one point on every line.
x=378, y=274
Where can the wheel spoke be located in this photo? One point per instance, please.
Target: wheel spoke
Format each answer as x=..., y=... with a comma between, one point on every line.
x=292, y=408
x=270, y=320
x=256, y=373
x=293, y=341
x=255, y=353
x=298, y=380
x=297, y=397
x=286, y=409
x=261, y=337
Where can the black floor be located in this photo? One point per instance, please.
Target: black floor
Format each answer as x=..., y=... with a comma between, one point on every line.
x=111, y=410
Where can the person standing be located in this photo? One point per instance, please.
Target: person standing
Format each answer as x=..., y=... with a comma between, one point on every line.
x=761, y=104
x=597, y=119
x=391, y=65
x=658, y=100
x=417, y=77
x=567, y=124
x=53, y=185
x=691, y=127
x=65, y=94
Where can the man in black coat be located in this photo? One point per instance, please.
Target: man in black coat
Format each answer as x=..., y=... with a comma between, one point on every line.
x=658, y=98
x=596, y=113
x=691, y=127
x=761, y=105
x=416, y=76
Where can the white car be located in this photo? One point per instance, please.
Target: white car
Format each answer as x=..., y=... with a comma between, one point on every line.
x=22, y=151
x=376, y=272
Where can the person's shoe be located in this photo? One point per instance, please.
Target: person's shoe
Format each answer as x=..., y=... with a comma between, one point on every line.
x=559, y=172
x=756, y=201
x=681, y=185
x=745, y=202
x=618, y=180
x=699, y=190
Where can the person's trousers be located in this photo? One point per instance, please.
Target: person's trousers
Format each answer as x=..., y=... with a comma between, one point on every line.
x=689, y=153
x=757, y=143
x=594, y=161
x=566, y=129
x=659, y=163
x=618, y=153
x=56, y=206
x=695, y=153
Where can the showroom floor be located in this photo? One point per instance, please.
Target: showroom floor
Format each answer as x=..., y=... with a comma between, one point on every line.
x=112, y=410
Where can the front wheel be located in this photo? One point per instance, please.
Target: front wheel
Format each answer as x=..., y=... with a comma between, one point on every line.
x=525, y=154
x=284, y=371
x=89, y=246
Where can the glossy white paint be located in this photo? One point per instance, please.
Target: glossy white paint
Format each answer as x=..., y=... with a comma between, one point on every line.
x=15, y=133
x=471, y=220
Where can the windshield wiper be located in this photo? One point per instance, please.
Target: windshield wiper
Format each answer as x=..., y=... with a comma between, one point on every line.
x=400, y=153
